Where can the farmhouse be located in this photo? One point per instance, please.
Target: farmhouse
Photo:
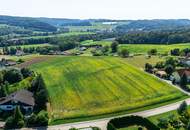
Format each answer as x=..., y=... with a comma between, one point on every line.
x=22, y=98
x=83, y=49
x=6, y=62
x=161, y=74
x=185, y=61
x=176, y=76
x=19, y=53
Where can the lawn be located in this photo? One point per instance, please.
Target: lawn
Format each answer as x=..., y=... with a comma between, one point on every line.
x=92, y=86
x=24, y=84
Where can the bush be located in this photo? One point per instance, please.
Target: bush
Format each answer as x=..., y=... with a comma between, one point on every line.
x=114, y=46
x=40, y=93
x=171, y=61
x=9, y=123
x=169, y=69
x=15, y=121
x=182, y=108
x=183, y=81
x=13, y=76
x=123, y=122
x=159, y=65
x=152, y=52
x=26, y=72
x=148, y=67
x=175, y=52
x=20, y=61
x=73, y=129
x=163, y=123
x=42, y=118
x=123, y=53
x=96, y=52
x=32, y=120
x=110, y=126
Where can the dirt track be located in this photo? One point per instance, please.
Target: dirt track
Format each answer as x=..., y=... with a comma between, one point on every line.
x=33, y=61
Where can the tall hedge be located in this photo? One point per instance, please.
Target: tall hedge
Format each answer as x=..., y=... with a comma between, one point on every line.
x=123, y=122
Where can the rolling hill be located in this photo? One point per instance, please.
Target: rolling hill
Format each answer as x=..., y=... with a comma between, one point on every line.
x=27, y=23
x=89, y=86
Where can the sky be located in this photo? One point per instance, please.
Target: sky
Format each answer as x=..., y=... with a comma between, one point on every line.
x=109, y=9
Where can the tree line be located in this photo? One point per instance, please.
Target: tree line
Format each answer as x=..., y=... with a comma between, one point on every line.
x=155, y=37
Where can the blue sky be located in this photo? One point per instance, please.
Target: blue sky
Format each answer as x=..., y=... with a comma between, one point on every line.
x=111, y=9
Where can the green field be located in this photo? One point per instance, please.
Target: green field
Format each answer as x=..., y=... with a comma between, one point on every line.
x=25, y=57
x=141, y=48
x=144, y=48
x=141, y=60
x=95, y=26
x=90, y=86
x=59, y=35
x=32, y=45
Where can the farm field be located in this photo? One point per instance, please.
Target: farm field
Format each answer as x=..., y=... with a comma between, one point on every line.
x=144, y=48
x=59, y=35
x=141, y=60
x=25, y=57
x=33, y=45
x=141, y=48
x=92, y=86
x=95, y=26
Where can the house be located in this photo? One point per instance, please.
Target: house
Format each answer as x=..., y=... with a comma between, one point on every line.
x=185, y=61
x=7, y=62
x=161, y=74
x=22, y=98
x=19, y=53
x=176, y=76
x=82, y=48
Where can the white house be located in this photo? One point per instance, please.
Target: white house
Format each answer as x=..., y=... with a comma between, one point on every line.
x=22, y=98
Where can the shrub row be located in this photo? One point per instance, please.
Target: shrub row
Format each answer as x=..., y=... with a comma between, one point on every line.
x=123, y=122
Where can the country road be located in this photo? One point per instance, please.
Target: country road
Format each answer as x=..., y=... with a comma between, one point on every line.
x=101, y=123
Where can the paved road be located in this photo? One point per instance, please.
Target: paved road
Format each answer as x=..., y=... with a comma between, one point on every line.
x=101, y=123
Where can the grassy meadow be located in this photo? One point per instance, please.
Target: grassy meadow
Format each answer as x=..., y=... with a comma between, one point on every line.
x=59, y=35
x=144, y=48
x=90, y=86
x=32, y=45
x=141, y=48
x=141, y=60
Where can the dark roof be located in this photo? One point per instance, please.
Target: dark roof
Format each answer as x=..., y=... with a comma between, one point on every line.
x=181, y=72
x=23, y=96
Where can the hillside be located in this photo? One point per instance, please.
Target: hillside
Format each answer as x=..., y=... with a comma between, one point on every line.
x=65, y=22
x=89, y=86
x=27, y=23
x=153, y=25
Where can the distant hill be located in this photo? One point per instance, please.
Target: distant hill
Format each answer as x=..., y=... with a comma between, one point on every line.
x=65, y=22
x=153, y=25
x=27, y=23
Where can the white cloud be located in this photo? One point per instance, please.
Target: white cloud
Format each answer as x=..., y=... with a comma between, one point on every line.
x=113, y=9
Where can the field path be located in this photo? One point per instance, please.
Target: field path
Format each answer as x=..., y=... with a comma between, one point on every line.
x=33, y=60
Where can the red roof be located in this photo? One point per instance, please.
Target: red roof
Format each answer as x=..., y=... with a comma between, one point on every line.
x=181, y=72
